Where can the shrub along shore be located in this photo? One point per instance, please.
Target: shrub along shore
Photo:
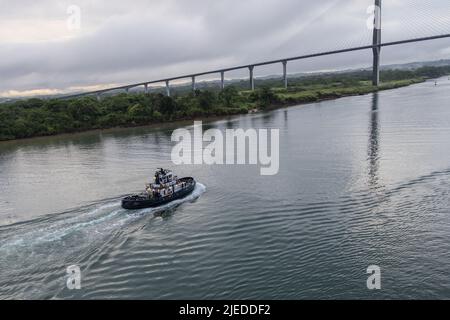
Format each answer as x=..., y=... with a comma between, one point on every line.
x=42, y=117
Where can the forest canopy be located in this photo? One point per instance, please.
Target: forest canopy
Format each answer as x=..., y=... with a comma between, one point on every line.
x=41, y=117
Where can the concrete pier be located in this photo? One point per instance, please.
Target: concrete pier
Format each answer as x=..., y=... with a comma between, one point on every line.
x=146, y=88
x=285, y=79
x=99, y=98
x=376, y=42
x=252, y=80
x=222, y=80
x=167, y=88
x=193, y=84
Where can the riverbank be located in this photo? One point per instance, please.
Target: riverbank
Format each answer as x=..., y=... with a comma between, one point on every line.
x=41, y=118
x=317, y=93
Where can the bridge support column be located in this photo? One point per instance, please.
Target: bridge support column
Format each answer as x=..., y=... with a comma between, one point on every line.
x=146, y=88
x=193, y=84
x=222, y=80
x=99, y=98
x=126, y=90
x=252, y=80
x=285, y=79
x=376, y=42
x=167, y=88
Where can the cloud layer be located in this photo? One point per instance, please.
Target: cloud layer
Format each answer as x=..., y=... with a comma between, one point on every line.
x=123, y=42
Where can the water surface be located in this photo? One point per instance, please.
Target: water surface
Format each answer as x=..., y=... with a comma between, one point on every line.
x=363, y=180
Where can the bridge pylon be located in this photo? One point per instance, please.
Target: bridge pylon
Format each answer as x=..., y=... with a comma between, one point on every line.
x=376, y=43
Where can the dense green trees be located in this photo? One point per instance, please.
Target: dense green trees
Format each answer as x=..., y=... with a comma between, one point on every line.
x=264, y=97
x=229, y=96
x=37, y=117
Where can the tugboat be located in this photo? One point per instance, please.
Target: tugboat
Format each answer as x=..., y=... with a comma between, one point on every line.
x=165, y=188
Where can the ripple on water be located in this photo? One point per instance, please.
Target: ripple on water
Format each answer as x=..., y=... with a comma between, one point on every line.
x=44, y=248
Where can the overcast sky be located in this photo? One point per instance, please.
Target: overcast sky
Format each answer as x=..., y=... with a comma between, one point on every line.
x=43, y=51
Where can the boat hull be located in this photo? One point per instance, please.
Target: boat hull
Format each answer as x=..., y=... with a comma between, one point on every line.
x=131, y=203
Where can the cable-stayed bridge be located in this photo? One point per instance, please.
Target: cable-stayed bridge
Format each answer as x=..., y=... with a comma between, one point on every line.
x=375, y=47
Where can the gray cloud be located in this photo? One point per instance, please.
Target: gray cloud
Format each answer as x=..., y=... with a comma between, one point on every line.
x=122, y=42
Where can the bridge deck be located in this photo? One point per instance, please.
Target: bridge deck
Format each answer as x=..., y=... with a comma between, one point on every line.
x=221, y=71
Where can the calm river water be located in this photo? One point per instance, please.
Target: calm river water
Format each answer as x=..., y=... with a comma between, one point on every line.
x=363, y=180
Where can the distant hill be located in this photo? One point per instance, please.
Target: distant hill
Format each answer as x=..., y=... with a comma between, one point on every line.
x=416, y=65
x=3, y=100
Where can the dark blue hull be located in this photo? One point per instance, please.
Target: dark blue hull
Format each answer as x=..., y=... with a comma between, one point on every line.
x=140, y=202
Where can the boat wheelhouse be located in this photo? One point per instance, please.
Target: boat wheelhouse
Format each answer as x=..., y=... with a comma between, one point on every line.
x=165, y=188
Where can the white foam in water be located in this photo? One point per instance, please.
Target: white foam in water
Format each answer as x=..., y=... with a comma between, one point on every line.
x=76, y=234
x=104, y=206
x=100, y=217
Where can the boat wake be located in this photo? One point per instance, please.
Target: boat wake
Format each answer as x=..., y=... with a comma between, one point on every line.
x=71, y=236
x=99, y=218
